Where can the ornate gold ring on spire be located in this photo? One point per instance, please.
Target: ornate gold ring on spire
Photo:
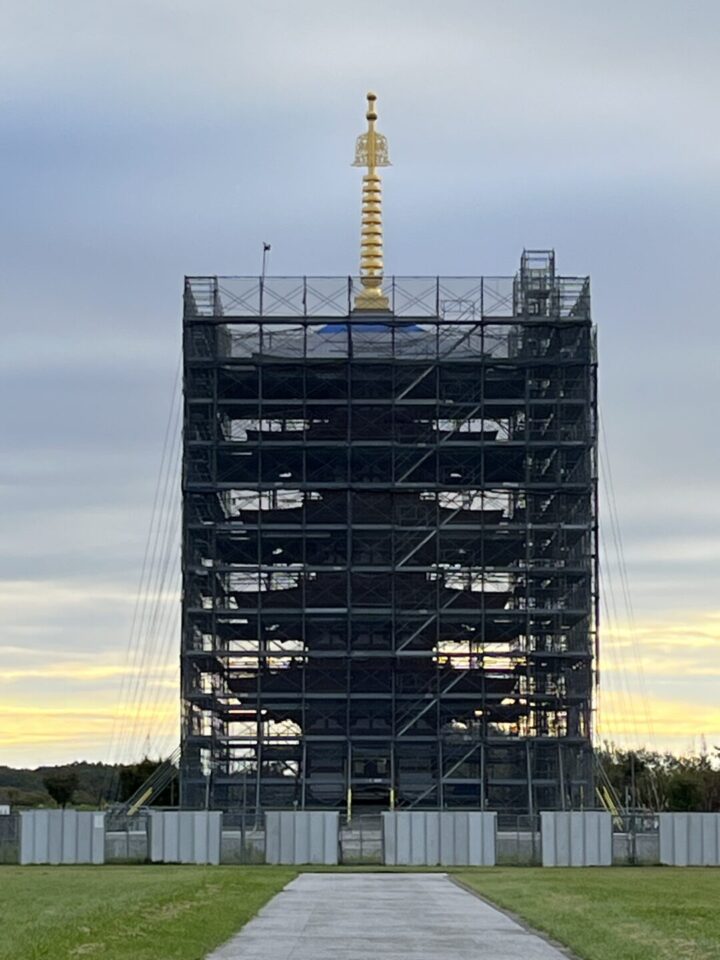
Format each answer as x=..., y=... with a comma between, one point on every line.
x=371, y=151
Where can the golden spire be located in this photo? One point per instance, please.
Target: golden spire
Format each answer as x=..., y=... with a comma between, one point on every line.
x=371, y=151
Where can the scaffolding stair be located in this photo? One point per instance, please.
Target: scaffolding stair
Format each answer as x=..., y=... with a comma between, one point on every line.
x=414, y=717
x=161, y=777
x=444, y=777
x=444, y=439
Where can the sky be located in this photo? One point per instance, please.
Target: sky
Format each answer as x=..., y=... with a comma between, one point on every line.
x=142, y=141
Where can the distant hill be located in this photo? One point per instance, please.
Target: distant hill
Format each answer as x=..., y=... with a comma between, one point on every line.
x=98, y=783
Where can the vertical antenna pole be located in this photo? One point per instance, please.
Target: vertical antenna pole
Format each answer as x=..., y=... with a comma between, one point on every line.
x=265, y=251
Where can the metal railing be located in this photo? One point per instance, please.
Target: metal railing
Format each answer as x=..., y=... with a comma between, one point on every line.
x=452, y=299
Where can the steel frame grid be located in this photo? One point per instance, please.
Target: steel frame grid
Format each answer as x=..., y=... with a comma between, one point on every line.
x=347, y=673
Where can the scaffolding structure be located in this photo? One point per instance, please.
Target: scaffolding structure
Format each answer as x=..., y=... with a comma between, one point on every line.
x=389, y=543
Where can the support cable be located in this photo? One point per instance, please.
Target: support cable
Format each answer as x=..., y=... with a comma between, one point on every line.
x=625, y=584
x=133, y=652
x=628, y=693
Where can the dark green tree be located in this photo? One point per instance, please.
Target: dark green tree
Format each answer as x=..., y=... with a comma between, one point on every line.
x=61, y=786
x=685, y=791
x=133, y=776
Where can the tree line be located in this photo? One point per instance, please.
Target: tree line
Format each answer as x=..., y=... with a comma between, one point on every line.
x=79, y=784
x=656, y=782
x=640, y=780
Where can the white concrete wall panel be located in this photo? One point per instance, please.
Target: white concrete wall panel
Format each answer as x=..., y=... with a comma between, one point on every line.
x=62, y=836
x=690, y=839
x=185, y=836
x=433, y=838
x=577, y=839
x=295, y=837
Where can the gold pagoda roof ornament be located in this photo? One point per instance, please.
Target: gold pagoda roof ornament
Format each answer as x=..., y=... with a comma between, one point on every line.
x=371, y=151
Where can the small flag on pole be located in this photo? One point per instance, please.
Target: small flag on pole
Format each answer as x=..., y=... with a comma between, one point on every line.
x=266, y=250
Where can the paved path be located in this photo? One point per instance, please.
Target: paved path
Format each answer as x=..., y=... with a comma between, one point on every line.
x=381, y=916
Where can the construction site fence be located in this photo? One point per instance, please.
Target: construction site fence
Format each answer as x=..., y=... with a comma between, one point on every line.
x=243, y=839
x=576, y=839
x=62, y=837
x=439, y=838
x=690, y=839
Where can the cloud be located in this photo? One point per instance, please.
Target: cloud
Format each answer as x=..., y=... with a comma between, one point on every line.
x=668, y=723
x=659, y=682
x=37, y=734
x=668, y=636
x=138, y=148
x=86, y=672
x=101, y=692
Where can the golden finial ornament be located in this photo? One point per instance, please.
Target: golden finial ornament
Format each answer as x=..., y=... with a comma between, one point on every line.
x=371, y=151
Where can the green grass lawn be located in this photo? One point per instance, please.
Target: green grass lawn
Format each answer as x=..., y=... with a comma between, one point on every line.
x=617, y=913
x=128, y=912
x=181, y=913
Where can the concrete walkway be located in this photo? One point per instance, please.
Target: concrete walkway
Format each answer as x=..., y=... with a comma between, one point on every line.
x=381, y=916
